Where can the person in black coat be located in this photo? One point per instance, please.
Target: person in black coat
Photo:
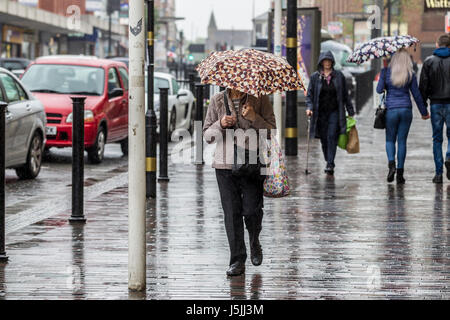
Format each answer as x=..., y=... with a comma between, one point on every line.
x=326, y=101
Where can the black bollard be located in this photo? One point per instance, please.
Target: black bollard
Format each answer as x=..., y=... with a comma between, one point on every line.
x=163, y=133
x=192, y=83
x=78, y=160
x=150, y=116
x=291, y=140
x=199, y=118
x=3, y=106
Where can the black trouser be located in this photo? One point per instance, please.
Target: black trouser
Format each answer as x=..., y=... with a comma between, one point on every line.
x=241, y=198
x=329, y=134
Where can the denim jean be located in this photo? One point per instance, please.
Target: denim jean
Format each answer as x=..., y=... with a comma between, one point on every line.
x=398, y=122
x=329, y=135
x=440, y=113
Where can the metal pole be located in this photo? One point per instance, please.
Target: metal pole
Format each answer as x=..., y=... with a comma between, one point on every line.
x=163, y=133
x=291, y=133
x=136, y=158
x=277, y=107
x=198, y=132
x=376, y=32
x=192, y=83
x=389, y=8
x=150, y=117
x=109, y=34
x=3, y=106
x=78, y=160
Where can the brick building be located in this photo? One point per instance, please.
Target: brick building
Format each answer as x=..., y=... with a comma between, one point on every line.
x=415, y=20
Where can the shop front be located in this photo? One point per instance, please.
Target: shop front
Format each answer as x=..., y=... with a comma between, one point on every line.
x=12, y=39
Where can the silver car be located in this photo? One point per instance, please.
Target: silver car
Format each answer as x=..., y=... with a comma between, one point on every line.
x=25, y=127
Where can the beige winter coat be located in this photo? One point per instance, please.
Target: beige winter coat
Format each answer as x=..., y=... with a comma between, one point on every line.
x=214, y=133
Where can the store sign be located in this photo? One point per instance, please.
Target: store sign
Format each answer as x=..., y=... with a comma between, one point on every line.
x=12, y=34
x=335, y=27
x=437, y=5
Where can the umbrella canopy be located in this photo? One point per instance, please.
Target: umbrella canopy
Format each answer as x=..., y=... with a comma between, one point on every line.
x=380, y=47
x=251, y=71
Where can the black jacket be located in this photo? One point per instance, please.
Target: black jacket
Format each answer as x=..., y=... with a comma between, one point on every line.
x=312, y=97
x=435, y=77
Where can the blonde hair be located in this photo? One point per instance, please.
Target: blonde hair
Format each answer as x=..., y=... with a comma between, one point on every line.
x=401, y=68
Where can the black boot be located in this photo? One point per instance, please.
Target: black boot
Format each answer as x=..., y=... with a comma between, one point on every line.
x=400, y=179
x=392, y=170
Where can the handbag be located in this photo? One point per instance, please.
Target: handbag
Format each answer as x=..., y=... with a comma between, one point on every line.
x=380, y=114
x=343, y=138
x=276, y=183
x=353, y=141
x=241, y=161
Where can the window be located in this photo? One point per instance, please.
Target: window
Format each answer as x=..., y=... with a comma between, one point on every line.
x=65, y=79
x=22, y=94
x=124, y=75
x=113, y=80
x=12, y=65
x=12, y=93
x=175, y=87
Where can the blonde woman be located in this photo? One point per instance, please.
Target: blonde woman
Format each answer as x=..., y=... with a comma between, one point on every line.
x=398, y=79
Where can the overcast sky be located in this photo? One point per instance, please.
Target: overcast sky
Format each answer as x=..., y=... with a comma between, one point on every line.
x=229, y=14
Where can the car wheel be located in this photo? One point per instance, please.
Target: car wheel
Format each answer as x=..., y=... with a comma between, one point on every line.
x=32, y=167
x=124, y=146
x=172, y=123
x=96, y=153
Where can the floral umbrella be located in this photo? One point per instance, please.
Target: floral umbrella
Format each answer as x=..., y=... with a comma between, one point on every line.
x=251, y=71
x=380, y=47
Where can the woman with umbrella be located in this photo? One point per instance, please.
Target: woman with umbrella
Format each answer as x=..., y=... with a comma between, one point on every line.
x=398, y=80
x=248, y=76
x=326, y=101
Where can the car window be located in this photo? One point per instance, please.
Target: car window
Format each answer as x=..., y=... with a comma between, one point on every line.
x=124, y=75
x=12, y=93
x=175, y=87
x=159, y=83
x=113, y=79
x=22, y=94
x=64, y=79
x=12, y=65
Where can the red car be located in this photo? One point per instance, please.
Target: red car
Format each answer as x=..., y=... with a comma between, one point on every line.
x=54, y=79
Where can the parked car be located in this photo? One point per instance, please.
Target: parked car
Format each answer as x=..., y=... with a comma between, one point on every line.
x=121, y=59
x=180, y=102
x=25, y=127
x=15, y=65
x=54, y=79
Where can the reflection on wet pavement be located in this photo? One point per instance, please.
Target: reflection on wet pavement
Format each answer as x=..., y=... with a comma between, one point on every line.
x=349, y=237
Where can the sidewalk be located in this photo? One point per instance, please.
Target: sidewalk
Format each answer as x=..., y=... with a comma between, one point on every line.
x=352, y=237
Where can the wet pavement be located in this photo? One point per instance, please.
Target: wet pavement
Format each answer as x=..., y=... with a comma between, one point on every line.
x=349, y=237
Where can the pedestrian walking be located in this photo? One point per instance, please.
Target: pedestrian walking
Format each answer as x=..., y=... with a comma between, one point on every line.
x=435, y=85
x=241, y=197
x=326, y=101
x=249, y=76
x=398, y=80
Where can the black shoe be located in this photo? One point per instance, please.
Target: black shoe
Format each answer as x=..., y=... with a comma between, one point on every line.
x=256, y=254
x=236, y=269
x=400, y=179
x=329, y=170
x=392, y=170
x=438, y=179
x=447, y=166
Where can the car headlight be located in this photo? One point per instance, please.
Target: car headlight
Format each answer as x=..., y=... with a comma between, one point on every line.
x=88, y=117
